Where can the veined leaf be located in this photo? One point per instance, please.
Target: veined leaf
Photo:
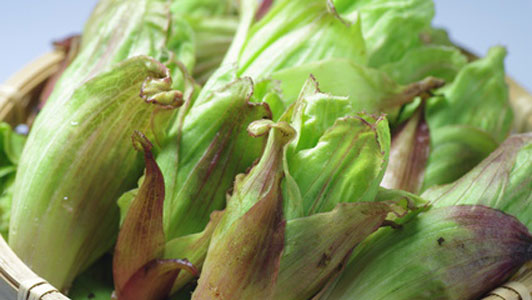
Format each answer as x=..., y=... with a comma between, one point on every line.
x=245, y=251
x=455, y=151
x=141, y=238
x=335, y=157
x=213, y=146
x=118, y=30
x=443, y=62
x=138, y=272
x=386, y=41
x=457, y=252
x=316, y=246
x=346, y=164
x=368, y=90
x=478, y=97
x=291, y=33
x=501, y=181
x=77, y=162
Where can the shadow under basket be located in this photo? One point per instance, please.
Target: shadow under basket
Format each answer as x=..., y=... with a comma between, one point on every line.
x=19, y=98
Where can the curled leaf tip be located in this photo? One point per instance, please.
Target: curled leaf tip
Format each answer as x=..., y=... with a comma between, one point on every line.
x=361, y=118
x=421, y=89
x=332, y=9
x=158, y=91
x=314, y=82
x=424, y=87
x=262, y=127
x=141, y=142
x=392, y=224
x=67, y=43
x=186, y=265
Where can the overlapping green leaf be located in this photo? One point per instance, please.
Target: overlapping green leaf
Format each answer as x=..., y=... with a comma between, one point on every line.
x=11, y=145
x=213, y=146
x=501, y=181
x=62, y=223
x=244, y=255
x=466, y=120
x=291, y=33
x=478, y=97
x=118, y=30
x=368, y=90
x=317, y=246
x=335, y=157
x=390, y=28
x=457, y=252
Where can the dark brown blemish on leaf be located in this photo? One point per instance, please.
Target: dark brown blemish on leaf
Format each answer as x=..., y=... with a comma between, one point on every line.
x=91, y=295
x=391, y=224
x=441, y=240
x=324, y=260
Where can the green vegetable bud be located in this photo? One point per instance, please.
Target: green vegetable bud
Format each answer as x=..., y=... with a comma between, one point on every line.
x=78, y=161
x=458, y=127
x=118, y=30
x=336, y=156
x=457, y=252
x=501, y=181
x=138, y=270
x=211, y=147
x=245, y=251
x=318, y=246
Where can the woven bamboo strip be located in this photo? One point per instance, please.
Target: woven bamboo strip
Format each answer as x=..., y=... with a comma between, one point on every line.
x=521, y=101
x=16, y=94
x=17, y=281
x=518, y=288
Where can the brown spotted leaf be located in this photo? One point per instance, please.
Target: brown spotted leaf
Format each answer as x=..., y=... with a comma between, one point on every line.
x=454, y=252
x=317, y=246
x=245, y=251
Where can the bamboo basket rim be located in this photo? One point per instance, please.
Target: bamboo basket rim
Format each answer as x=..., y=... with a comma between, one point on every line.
x=18, y=281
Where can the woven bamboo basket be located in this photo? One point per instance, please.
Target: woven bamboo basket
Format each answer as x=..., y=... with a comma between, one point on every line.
x=19, y=97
